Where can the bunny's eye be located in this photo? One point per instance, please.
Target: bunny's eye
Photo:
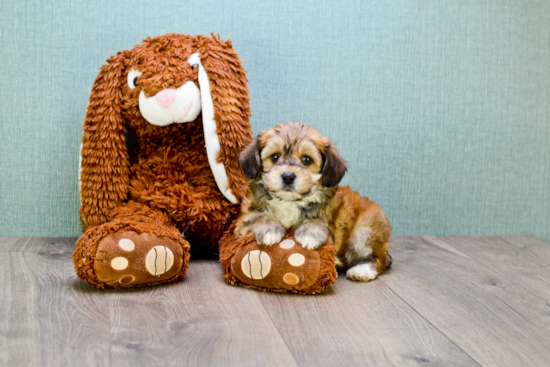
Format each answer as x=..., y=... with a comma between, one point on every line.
x=194, y=66
x=133, y=78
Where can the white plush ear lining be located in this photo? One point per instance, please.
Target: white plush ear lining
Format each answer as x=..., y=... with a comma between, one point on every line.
x=80, y=173
x=209, y=127
x=80, y=166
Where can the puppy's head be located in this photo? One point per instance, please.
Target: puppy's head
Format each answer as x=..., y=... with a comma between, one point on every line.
x=292, y=160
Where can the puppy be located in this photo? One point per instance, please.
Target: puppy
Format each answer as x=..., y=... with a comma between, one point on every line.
x=293, y=175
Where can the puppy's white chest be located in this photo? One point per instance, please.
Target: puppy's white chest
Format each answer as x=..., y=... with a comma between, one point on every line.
x=287, y=213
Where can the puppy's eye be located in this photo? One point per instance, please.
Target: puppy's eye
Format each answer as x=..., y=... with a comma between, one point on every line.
x=133, y=78
x=306, y=161
x=275, y=157
x=194, y=66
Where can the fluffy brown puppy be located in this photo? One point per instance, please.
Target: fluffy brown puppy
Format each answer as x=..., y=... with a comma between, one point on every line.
x=293, y=176
x=162, y=133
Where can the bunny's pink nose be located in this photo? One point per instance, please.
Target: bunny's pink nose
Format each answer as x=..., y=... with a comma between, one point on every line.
x=166, y=97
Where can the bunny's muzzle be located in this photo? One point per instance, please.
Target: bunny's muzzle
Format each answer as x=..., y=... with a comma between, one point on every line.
x=171, y=105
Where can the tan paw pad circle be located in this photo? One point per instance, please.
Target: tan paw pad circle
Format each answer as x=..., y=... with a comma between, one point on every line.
x=159, y=260
x=286, y=244
x=127, y=244
x=127, y=279
x=256, y=264
x=296, y=259
x=291, y=278
x=119, y=263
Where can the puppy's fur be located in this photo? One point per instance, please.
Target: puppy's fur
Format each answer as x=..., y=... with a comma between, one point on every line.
x=293, y=175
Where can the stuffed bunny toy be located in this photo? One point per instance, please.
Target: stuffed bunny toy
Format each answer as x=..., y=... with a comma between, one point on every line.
x=159, y=170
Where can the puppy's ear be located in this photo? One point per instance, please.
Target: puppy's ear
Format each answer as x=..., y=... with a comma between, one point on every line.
x=334, y=167
x=250, y=160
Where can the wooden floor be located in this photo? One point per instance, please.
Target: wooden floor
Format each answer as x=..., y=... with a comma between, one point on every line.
x=465, y=301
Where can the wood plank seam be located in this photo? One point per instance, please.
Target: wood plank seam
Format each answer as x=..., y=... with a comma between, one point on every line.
x=110, y=336
x=466, y=301
x=429, y=322
x=426, y=240
x=266, y=312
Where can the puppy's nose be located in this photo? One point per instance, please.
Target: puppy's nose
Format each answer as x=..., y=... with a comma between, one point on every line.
x=288, y=178
x=166, y=97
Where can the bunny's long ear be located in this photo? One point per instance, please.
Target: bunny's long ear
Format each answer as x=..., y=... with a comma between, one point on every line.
x=104, y=171
x=222, y=75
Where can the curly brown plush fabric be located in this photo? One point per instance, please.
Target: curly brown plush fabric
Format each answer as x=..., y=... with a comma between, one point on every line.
x=131, y=217
x=160, y=181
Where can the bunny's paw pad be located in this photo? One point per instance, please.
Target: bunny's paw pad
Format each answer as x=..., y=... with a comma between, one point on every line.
x=127, y=259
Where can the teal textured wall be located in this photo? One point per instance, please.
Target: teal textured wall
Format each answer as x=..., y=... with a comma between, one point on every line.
x=442, y=109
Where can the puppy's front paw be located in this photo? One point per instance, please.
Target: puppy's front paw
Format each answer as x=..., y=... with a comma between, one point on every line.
x=270, y=238
x=363, y=272
x=311, y=235
x=308, y=242
x=269, y=233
